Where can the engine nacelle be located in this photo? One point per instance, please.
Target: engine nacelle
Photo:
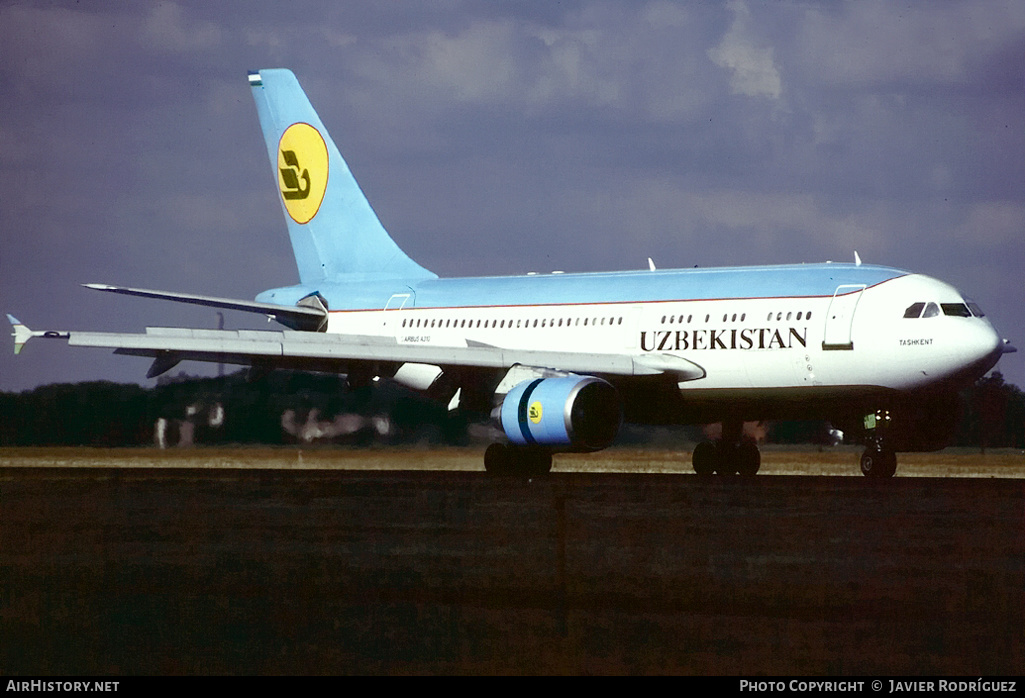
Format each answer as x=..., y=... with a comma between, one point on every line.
x=567, y=413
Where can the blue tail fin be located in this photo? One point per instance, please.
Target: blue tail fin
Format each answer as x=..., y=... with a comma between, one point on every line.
x=335, y=233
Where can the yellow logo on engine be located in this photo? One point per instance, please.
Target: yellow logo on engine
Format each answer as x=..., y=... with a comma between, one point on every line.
x=534, y=412
x=302, y=171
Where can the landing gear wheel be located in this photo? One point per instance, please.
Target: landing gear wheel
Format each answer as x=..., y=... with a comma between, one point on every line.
x=534, y=462
x=726, y=463
x=748, y=458
x=498, y=459
x=502, y=459
x=725, y=459
x=878, y=462
x=705, y=458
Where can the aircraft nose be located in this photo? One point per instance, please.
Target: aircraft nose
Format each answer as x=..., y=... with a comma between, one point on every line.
x=985, y=346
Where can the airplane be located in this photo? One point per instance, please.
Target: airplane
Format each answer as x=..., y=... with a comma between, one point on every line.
x=560, y=360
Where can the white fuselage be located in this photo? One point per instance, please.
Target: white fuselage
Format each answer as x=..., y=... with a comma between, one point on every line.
x=857, y=337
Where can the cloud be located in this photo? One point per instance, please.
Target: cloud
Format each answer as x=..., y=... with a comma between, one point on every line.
x=882, y=43
x=496, y=138
x=167, y=29
x=602, y=62
x=994, y=223
x=754, y=72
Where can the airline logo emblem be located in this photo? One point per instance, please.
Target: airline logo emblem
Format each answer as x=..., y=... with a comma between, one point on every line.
x=534, y=412
x=302, y=171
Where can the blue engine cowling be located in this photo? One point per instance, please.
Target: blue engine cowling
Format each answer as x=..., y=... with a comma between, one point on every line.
x=568, y=413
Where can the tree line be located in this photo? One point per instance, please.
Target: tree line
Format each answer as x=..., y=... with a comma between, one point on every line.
x=290, y=407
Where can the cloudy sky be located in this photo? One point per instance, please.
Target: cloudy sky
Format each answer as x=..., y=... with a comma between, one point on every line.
x=499, y=137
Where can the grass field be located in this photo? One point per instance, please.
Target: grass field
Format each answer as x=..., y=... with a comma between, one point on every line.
x=250, y=562
x=842, y=461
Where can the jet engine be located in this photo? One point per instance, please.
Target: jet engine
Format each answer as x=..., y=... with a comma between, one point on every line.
x=565, y=413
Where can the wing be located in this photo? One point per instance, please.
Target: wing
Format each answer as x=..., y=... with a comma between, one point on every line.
x=319, y=351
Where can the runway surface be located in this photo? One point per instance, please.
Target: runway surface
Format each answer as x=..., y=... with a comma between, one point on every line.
x=313, y=571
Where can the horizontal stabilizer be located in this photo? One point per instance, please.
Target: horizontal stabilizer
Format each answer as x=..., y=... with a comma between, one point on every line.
x=21, y=333
x=304, y=318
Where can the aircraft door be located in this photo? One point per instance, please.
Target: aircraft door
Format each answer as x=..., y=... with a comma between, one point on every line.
x=398, y=301
x=840, y=318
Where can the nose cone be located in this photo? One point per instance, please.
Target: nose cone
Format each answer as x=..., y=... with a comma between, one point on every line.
x=983, y=347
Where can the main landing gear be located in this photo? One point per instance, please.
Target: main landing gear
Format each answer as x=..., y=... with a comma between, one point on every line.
x=504, y=459
x=731, y=455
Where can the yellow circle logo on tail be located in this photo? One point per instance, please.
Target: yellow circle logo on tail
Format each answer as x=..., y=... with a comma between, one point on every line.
x=302, y=171
x=534, y=412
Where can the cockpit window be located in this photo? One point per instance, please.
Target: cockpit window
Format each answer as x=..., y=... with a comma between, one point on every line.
x=924, y=310
x=914, y=310
x=956, y=310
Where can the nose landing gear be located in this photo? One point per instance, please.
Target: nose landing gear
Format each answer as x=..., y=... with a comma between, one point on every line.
x=878, y=460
